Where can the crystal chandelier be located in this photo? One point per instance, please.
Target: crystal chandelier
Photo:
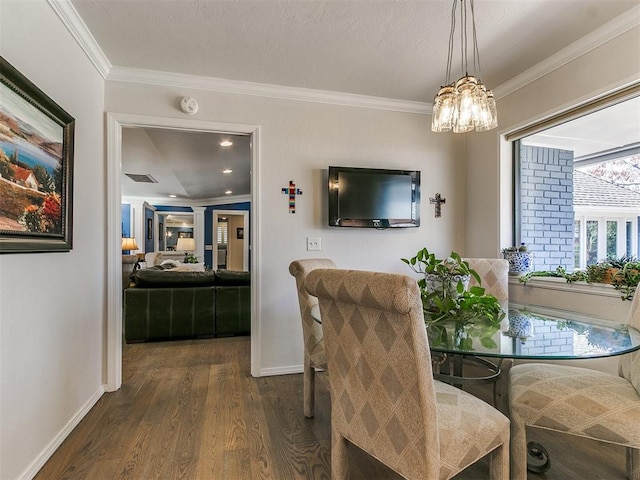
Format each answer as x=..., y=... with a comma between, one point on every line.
x=466, y=104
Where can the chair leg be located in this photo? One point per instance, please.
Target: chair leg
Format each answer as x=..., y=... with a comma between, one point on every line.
x=309, y=389
x=499, y=462
x=501, y=387
x=339, y=459
x=633, y=463
x=518, y=448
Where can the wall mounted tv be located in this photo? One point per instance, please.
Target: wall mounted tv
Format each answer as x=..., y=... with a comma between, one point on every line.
x=373, y=198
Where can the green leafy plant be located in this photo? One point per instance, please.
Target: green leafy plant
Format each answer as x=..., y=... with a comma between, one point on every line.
x=560, y=272
x=619, y=262
x=425, y=262
x=623, y=273
x=596, y=272
x=626, y=279
x=454, y=314
x=190, y=259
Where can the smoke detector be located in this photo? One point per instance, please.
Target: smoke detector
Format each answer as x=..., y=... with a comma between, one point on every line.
x=189, y=105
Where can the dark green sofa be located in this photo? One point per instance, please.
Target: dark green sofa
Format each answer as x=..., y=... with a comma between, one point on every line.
x=167, y=304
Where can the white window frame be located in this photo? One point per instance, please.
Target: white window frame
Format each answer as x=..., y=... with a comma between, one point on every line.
x=602, y=218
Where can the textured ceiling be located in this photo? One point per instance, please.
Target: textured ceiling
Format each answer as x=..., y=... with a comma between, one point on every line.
x=385, y=48
x=186, y=164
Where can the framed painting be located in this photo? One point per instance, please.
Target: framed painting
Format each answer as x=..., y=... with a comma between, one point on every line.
x=149, y=228
x=240, y=233
x=36, y=168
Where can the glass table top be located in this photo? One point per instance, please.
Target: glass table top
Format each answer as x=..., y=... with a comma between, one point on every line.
x=534, y=332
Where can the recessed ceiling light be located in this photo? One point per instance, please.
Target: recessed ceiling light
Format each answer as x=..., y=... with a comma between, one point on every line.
x=226, y=143
x=227, y=170
x=173, y=196
x=228, y=192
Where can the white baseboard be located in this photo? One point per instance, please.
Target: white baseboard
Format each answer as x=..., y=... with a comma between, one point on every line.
x=39, y=462
x=266, y=372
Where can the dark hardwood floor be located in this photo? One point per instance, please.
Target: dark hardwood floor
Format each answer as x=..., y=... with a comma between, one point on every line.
x=191, y=410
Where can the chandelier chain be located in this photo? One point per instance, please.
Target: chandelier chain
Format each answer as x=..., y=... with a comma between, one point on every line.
x=451, y=42
x=463, y=38
x=476, y=51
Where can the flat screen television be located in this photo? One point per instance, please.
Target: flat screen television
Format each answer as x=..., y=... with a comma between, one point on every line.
x=373, y=198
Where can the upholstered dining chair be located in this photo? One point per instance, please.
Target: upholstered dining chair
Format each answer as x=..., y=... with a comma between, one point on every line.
x=578, y=401
x=494, y=277
x=494, y=274
x=314, y=355
x=384, y=399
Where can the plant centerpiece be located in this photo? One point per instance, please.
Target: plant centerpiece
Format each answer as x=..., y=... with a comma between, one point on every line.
x=453, y=312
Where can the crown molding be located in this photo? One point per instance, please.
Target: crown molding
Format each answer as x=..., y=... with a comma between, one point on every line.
x=78, y=29
x=168, y=79
x=596, y=38
x=186, y=202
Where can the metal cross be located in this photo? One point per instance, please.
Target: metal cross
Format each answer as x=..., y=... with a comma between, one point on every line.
x=438, y=201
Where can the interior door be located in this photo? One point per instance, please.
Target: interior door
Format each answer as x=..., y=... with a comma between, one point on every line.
x=231, y=240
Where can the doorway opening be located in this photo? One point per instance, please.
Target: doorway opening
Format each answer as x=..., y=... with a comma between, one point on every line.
x=231, y=240
x=115, y=125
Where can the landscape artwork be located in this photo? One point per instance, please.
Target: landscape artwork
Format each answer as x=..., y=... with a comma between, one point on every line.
x=36, y=151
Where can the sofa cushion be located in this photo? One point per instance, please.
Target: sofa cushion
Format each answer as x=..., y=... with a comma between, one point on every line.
x=150, y=278
x=161, y=267
x=232, y=278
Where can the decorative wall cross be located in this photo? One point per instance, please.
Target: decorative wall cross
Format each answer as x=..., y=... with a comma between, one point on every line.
x=292, y=191
x=438, y=201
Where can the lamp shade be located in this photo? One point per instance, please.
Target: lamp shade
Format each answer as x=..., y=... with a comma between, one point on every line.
x=186, y=244
x=129, y=243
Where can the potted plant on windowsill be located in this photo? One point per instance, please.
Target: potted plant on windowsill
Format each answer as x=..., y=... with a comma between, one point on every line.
x=622, y=273
x=453, y=312
x=520, y=260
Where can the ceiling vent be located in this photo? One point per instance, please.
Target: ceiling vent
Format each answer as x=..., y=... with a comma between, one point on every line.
x=141, y=178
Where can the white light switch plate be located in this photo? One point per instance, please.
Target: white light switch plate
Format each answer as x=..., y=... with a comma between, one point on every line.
x=314, y=244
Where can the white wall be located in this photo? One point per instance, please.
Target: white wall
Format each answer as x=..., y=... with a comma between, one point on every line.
x=298, y=141
x=487, y=207
x=52, y=305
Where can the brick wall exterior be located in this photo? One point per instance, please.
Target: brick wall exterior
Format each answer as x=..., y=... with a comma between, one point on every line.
x=548, y=339
x=546, y=206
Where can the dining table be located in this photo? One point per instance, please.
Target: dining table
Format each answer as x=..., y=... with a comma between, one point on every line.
x=478, y=353
x=529, y=332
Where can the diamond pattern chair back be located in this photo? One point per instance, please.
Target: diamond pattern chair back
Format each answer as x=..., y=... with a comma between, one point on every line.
x=383, y=396
x=494, y=273
x=314, y=355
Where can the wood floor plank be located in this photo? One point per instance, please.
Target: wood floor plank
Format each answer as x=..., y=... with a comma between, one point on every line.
x=190, y=410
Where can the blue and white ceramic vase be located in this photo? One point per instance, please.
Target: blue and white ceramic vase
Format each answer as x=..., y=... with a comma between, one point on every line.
x=519, y=262
x=520, y=326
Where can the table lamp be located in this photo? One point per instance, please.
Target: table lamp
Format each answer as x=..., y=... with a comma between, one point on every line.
x=129, y=243
x=129, y=262
x=186, y=245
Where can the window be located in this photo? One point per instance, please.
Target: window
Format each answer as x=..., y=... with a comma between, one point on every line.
x=222, y=234
x=578, y=186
